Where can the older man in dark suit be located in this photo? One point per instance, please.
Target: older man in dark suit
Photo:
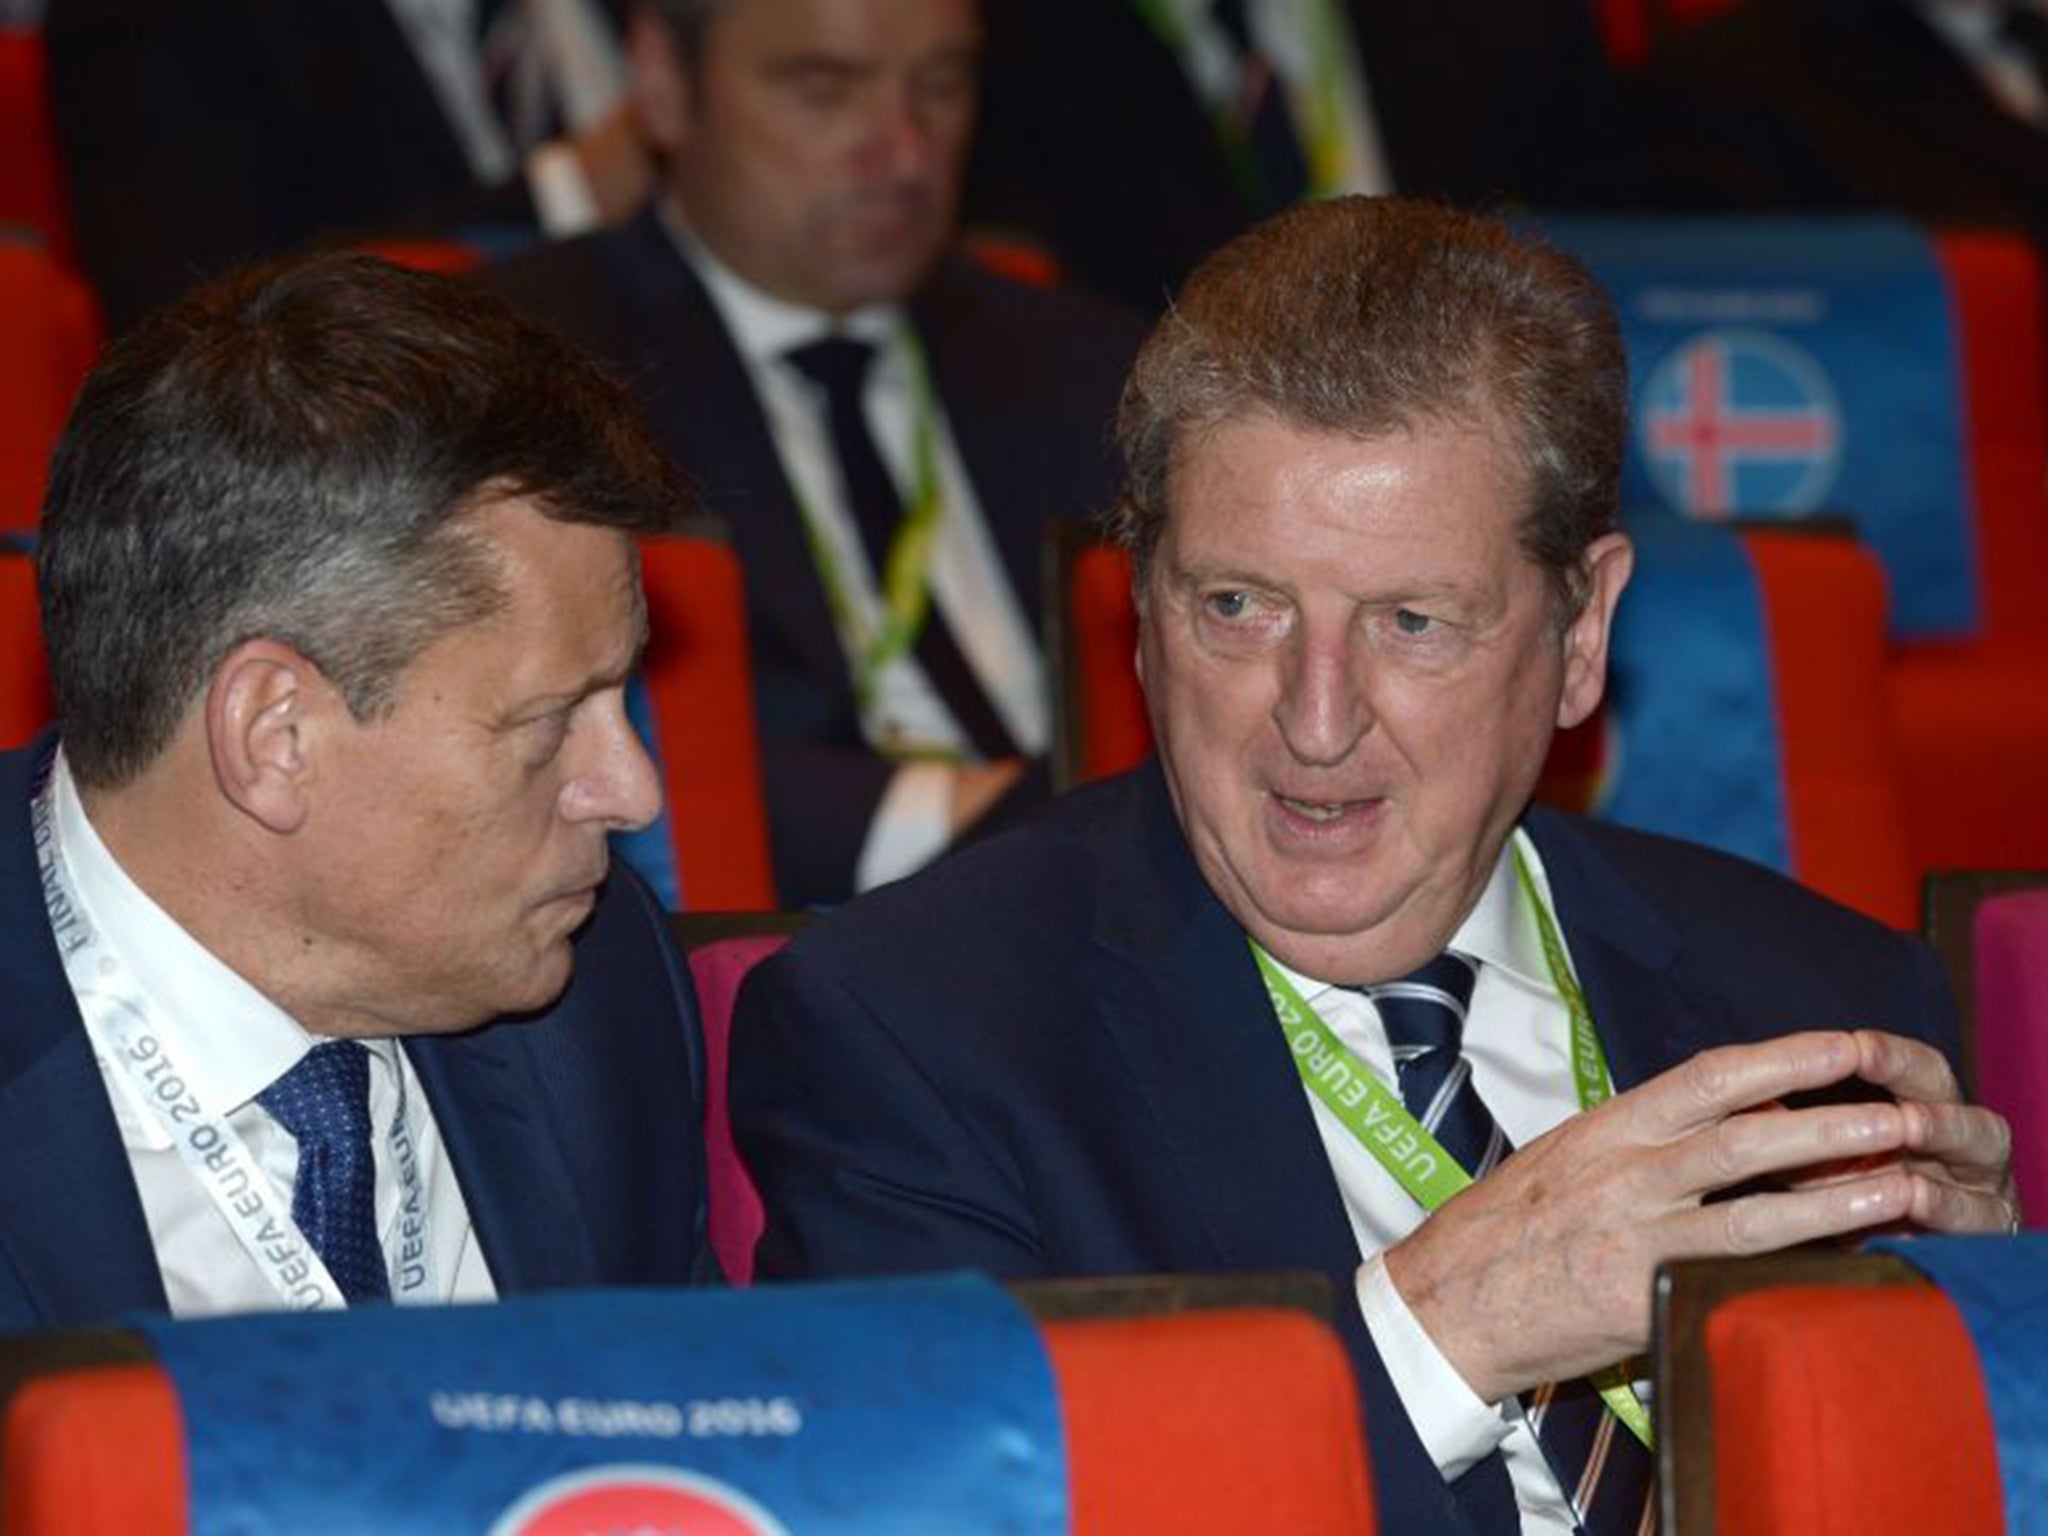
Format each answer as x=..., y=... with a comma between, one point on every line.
x=1319, y=990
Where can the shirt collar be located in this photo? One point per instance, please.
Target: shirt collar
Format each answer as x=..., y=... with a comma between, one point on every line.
x=1500, y=931
x=227, y=1037
x=762, y=326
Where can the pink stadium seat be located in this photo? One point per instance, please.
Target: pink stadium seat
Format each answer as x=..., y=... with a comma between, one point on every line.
x=735, y=1216
x=2011, y=936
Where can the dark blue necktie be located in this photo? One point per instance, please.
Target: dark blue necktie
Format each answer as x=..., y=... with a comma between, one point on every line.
x=839, y=365
x=1604, y=1470
x=324, y=1102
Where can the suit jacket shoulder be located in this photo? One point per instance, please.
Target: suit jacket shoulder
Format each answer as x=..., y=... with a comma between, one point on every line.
x=575, y=1132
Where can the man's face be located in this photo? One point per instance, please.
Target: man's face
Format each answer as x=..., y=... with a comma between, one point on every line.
x=1354, y=672
x=816, y=145
x=452, y=847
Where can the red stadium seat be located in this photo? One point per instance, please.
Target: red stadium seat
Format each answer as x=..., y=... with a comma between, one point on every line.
x=1971, y=716
x=1209, y=1423
x=49, y=336
x=698, y=678
x=32, y=192
x=1820, y=1395
x=25, y=704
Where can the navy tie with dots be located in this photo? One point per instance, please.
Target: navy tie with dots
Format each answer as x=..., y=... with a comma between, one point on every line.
x=1604, y=1470
x=324, y=1102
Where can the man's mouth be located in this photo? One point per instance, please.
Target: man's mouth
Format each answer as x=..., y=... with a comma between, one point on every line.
x=1322, y=810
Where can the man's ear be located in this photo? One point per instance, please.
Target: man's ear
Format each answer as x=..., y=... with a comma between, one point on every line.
x=263, y=718
x=657, y=81
x=1609, y=561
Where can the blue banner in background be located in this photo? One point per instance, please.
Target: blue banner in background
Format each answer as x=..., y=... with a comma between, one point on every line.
x=1692, y=744
x=2000, y=1286
x=905, y=1406
x=1782, y=367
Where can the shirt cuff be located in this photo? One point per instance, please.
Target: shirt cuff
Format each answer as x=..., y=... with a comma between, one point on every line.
x=1456, y=1427
x=562, y=199
x=913, y=823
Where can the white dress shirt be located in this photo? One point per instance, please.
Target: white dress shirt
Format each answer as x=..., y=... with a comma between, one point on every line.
x=905, y=716
x=1284, y=32
x=230, y=1043
x=1518, y=1039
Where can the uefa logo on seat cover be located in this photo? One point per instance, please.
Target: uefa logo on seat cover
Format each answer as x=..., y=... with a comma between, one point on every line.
x=1740, y=423
x=645, y=1500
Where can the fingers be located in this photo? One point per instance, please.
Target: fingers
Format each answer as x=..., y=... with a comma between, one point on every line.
x=1972, y=1143
x=1908, y=1069
x=1843, y=1141
x=1730, y=1079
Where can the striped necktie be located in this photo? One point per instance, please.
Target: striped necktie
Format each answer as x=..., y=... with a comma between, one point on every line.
x=1603, y=1469
x=324, y=1102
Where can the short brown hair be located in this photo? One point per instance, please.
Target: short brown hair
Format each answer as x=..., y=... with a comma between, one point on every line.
x=1365, y=316
x=293, y=451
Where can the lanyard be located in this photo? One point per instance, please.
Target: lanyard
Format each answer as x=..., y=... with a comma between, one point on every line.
x=1375, y=1115
x=1316, y=108
x=904, y=581
x=125, y=1039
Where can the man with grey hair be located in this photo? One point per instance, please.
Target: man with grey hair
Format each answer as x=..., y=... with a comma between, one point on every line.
x=886, y=425
x=318, y=989
x=1320, y=989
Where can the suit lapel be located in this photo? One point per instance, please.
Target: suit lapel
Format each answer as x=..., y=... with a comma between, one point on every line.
x=1181, y=998
x=59, y=1144
x=1626, y=957
x=487, y=1095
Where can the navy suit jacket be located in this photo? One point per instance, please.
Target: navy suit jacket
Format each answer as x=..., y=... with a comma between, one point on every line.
x=1093, y=141
x=1829, y=104
x=575, y=1133
x=200, y=133
x=1029, y=380
x=1052, y=1055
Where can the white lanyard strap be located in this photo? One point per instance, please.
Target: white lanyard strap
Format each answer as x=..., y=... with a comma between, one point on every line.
x=118, y=1021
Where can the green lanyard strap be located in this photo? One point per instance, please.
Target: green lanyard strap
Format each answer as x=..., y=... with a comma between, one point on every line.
x=905, y=578
x=1317, y=110
x=1416, y=1160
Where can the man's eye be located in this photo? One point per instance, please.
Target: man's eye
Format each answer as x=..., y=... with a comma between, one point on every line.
x=1409, y=622
x=1228, y=605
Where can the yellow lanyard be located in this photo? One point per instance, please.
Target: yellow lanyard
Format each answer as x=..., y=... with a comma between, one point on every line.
x=905, y=578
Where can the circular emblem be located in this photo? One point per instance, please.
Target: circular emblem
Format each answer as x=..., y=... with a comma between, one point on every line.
x=643, y=1500
x=1740, y=422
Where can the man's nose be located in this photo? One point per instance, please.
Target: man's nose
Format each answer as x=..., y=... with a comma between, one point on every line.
x=618, y=785
x=1324, y=708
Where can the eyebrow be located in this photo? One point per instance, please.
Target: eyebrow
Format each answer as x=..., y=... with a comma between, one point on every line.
x=535, y=706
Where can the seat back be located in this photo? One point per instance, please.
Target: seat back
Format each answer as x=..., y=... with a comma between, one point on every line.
x=32, y=192
x=1824, y=605
x=1819, y=1395
x=699, y=683
x=722, y=948
x=1996, y=282
x=25, y=704
x=49, y=336
x=2010, y=938
x=1209, y=1423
